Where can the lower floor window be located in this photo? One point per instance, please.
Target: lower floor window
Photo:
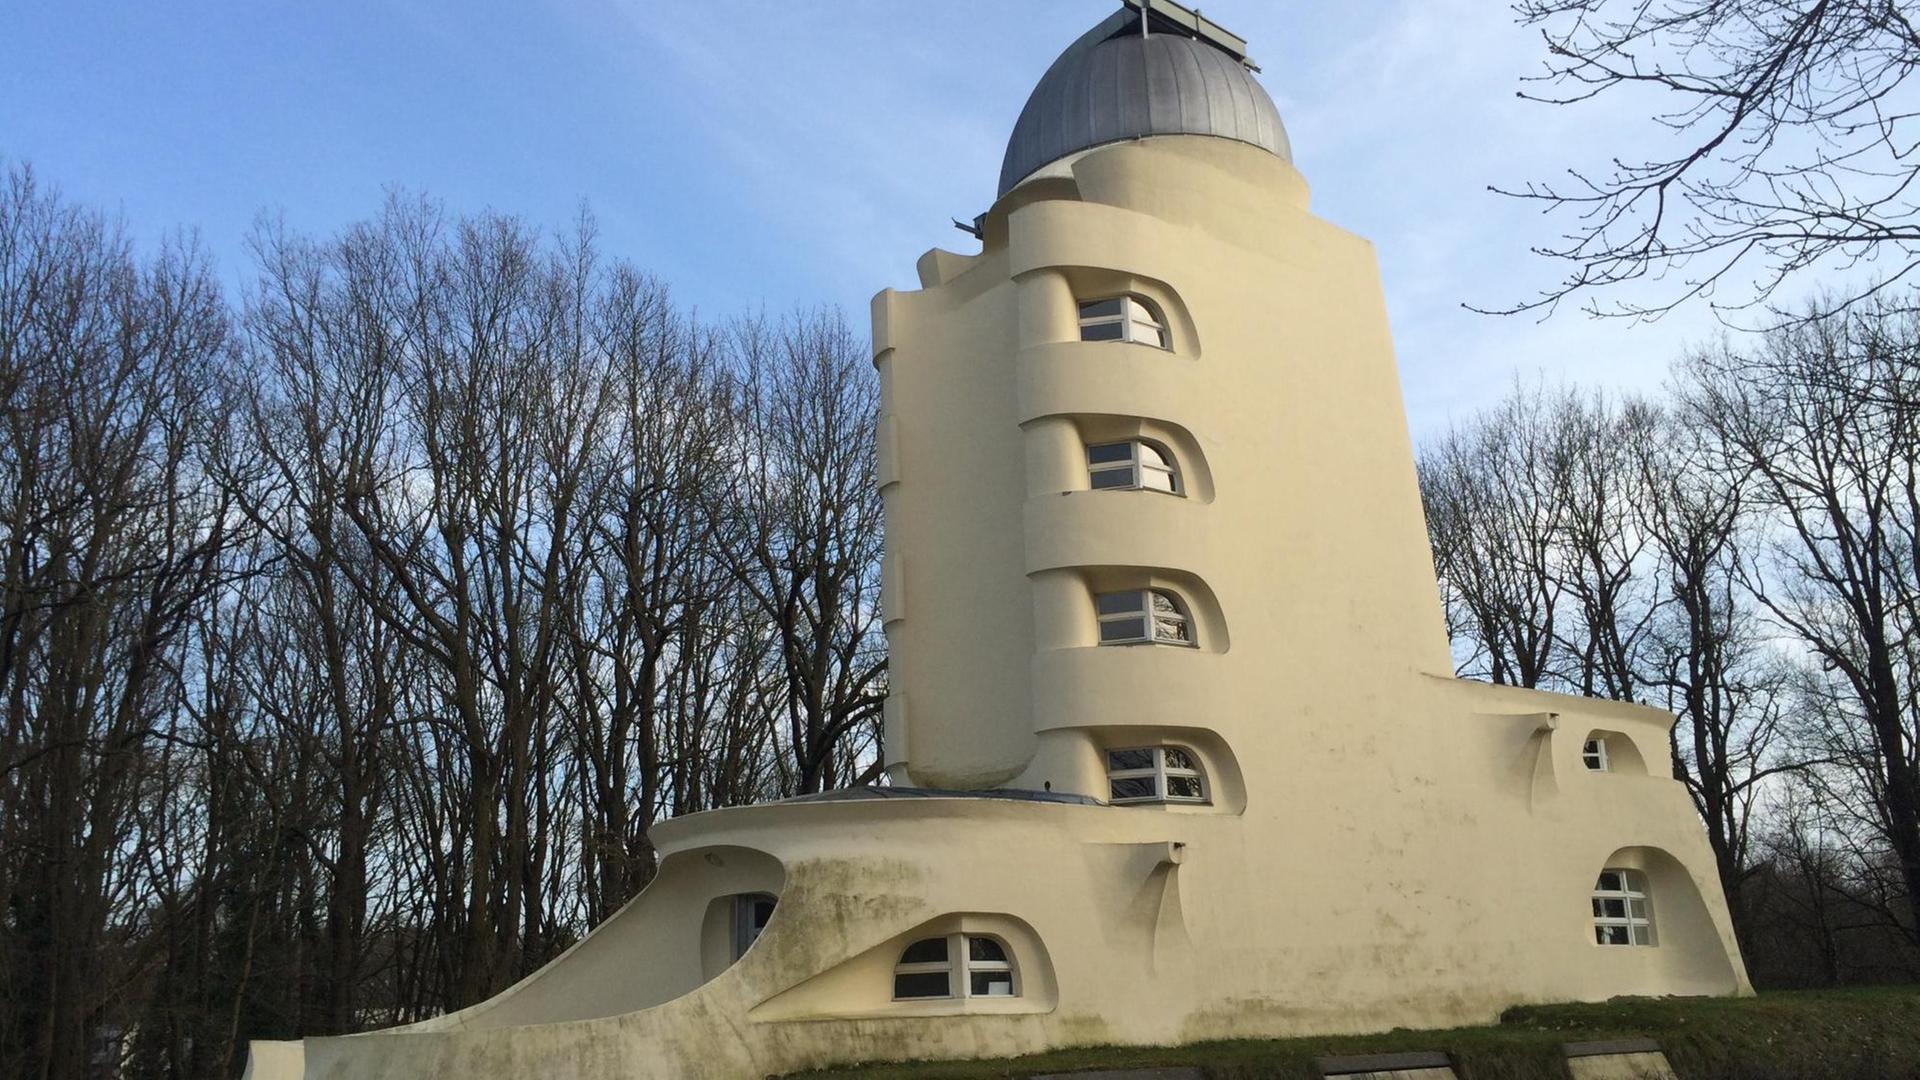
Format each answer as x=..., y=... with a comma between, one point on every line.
x=750, y=914
x=1621, y=911
x=957, y=965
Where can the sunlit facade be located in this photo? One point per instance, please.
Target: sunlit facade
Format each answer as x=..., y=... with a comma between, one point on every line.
x=1174, y=744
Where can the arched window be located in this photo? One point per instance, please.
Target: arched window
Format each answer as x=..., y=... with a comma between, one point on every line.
x=1594, y=754
x=1143, y=616
x=750, y=914
x=1622, y=910
x=1132, y=465
x=957, y=965
x=1123, y=318
x=1155, y=774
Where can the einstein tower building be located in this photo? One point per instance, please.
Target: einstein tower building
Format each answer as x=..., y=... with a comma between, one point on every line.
x=1174, y=745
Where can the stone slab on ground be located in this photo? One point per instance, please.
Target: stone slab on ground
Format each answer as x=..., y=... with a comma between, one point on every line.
x=1647, y=1065
x=1130, y=1074
x=1618, y=1059
x=1419, y=1065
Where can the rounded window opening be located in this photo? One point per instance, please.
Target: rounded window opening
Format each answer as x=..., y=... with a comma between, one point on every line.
x=1622, y=908
x=1132, y=466
x=955, y=966
x=1143, y=617
x=1155, y=774
x=1123, y=318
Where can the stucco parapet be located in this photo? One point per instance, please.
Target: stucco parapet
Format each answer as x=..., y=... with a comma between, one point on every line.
x=1493, y=699
x=1118, y=528
x=804, y=827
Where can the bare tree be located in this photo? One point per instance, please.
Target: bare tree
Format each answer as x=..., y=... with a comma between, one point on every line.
x=1495, y=496
x=1824, y=420
x=346, y=664
x=112, y=537
x=809, y=547
x=1782, y=144
x=1707, y=654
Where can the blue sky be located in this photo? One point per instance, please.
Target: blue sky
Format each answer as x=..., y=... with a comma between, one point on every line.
x=753, y=152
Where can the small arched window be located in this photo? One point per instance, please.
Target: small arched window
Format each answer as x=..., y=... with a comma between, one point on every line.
x=1622, y=909
x=1123, y=318
x=1143, y=616
x=1132, y=465
x=957, y=965
x=1155, y=774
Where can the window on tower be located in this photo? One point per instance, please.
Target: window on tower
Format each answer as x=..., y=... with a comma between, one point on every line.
x=1149, y=774
x=1143, y=617
x=1123, y=318
x=1132, y=466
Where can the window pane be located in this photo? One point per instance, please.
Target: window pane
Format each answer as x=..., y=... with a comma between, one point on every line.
x=1117, y=603
x=1609, y=881
x=1164, y=605
x=1107, y=453
x=762, y=911
x=1111, y=331
x=922, y=984
x=932, y=950
x=1638, y=908
x=1156, y=479
x=1104, y=479
x=1134, y=787
x=1613, y=909
x=1610, y=935
x=985, y=948
x=1138, y=310
x=1184, y=787
x=1123, y=630
x=1642, y=935
x=1118, y=760
x=992, y=984
x=1178, y=758
x=1101, y=309
x=1171, y=628
x=1152, y=457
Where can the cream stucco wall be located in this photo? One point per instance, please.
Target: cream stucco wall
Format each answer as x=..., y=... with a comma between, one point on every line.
x=1384, y=846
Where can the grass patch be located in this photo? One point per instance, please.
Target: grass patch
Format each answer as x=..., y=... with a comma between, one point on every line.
x=1861, y=1033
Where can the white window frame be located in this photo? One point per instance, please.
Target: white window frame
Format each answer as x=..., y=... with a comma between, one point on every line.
x=1139, y=319
x=1159, y=771
x=1136, y=467
x=1634, y=917
x=960, y=967
x=1149, y=619
x=1593, y=754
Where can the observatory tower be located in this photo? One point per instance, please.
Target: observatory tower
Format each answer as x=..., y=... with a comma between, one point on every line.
x=1175, y=747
